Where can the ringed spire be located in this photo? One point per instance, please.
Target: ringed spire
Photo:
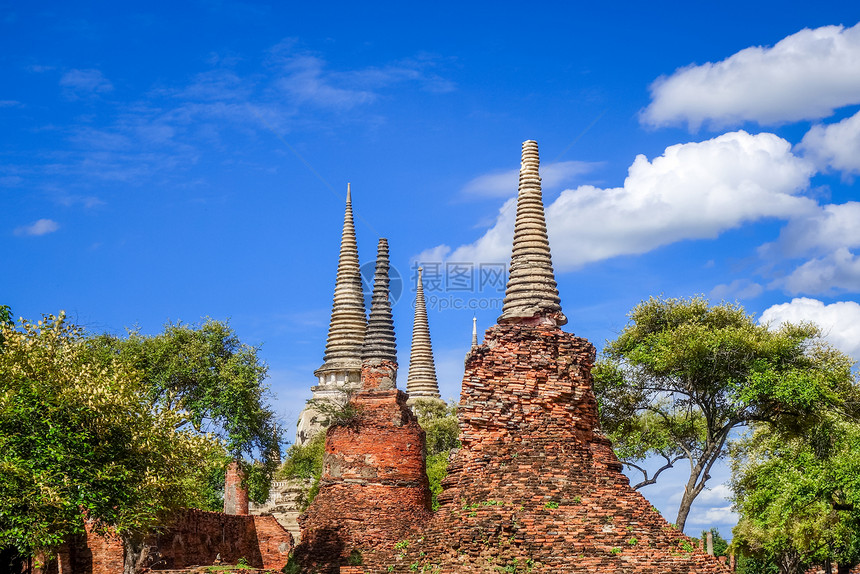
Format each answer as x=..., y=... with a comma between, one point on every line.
x=379, y=341
x=421, y=381
x=531, y=296
x=348, y=321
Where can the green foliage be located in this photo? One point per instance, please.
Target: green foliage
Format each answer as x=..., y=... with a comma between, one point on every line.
x=551, y=505
x=439, y=421
x=437, y=470
x=206, y=372
x=798, y=495
x=78, y=435
x=683, y=374
x=355, y=558
x=340, y=411
x=755, y=565
x=292, y=566
x=5, y=318
x=304, y=463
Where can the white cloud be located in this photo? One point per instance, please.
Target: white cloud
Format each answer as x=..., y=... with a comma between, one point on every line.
x=828, y=234
x=40, y=227
x=835, y=146
x=804, y=76
x=821, y=231
x=433, y=255
x=504, y=183
x=717, y=515
x=840, y=321
x=692, y=191
x=837, y=271
x=85, y=82
x=737, y=289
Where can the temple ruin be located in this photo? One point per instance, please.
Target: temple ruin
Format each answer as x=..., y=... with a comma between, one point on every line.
x=535, y=486
x=421, y=383
x=340, y=372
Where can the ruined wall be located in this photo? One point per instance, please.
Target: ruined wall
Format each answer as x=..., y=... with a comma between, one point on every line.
x=195, y=537
x=374, y=486
x=535, y=486
x=235, y=495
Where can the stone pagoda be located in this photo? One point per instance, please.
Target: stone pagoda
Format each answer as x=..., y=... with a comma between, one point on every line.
x=535, y=486
x=421, y=383
x=374, y=482
x=340, y=372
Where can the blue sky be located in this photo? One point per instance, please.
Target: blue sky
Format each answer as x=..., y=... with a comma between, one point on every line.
x=185, y=160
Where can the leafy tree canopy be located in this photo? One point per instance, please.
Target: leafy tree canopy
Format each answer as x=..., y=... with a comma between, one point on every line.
x=684, y=373
x=798, y=495
x=215, y=381
x=78, y=435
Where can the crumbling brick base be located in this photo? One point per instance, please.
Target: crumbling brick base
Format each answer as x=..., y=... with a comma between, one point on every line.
x=535, y=486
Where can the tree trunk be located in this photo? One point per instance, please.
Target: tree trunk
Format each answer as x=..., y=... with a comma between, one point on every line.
x=135, y=553
x=690, y=493
x=843, y=568
x=789, y=563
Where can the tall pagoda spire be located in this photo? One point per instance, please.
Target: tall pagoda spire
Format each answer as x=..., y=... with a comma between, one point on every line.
x=474, y=332
x=421, y=382
x=341, y=368
x=532, y=294
x=379, y=353
x=348, y=322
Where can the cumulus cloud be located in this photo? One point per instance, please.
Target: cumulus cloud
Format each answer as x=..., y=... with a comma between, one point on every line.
x=840, y=321
x=40, y=227
x=504, y=183
x=804, y=76
x=827, y=235
x=835, y=146
x=837, y=271
x=692, y=191
x=820, y=231
x=714, y=516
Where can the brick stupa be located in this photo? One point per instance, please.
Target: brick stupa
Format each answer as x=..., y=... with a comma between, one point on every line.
x=374, y=487
x=535, y=486
x=421, y=383
x=341, y=368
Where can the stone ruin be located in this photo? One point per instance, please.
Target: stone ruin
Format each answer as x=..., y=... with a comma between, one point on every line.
x=535, y=486
x=340, y=375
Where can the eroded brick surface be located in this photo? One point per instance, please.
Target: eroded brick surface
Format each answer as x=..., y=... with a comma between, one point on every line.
x=195, y=537
x=374, y=486
x=535, y=486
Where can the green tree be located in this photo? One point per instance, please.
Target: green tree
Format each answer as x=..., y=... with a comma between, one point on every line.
x=683, y=375
x=303, y=464
x=208, y=374
x=439, y=421
x=798, y=495
x=5, y=318
x=80, y=440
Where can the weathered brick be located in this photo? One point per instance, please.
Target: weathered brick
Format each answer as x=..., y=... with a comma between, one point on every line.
x=535, y=485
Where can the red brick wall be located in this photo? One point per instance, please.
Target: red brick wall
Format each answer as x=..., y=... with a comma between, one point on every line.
x=235, y=495
x=535, y=486
x=374, y=485
x=194, y=538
